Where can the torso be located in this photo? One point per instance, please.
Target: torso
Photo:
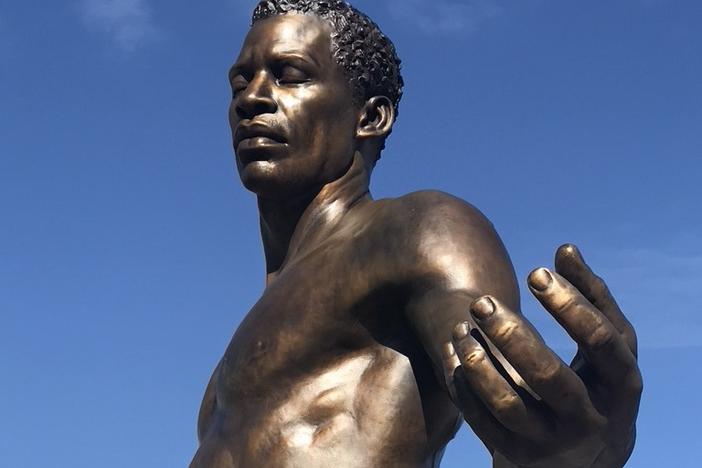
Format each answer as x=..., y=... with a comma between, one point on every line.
x=324, y=370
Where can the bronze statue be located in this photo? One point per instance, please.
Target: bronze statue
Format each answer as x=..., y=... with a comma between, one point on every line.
x=385, y=323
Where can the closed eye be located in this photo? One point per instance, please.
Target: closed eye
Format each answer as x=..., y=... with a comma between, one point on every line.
x=238, y=84
x=287, y=74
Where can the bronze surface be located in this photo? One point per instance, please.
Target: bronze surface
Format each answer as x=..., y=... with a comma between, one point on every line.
x=385, y=323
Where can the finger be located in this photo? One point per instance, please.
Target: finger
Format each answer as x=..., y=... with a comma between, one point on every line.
x=451, y=363
x=498, y=396
x=601, y=343
x=571, y=265
x=483, y=423
x=558, y=386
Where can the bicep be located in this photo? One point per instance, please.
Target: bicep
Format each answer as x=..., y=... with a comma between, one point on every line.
x=463, y=258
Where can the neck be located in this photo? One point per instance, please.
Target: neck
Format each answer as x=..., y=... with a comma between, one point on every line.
x=289, y=226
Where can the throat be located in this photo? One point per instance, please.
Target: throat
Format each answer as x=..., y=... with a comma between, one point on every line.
x=291, y=229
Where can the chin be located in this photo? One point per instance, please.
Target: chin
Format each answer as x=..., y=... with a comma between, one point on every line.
x=267, y=180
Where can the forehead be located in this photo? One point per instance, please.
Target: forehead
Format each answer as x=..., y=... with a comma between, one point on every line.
x=289, y=33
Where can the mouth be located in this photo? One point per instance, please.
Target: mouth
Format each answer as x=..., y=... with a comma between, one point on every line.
x=257, y=136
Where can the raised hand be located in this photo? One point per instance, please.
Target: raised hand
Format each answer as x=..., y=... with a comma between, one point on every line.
x=582, y=415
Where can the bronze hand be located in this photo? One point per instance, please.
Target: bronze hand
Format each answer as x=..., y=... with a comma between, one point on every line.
x=582, y=415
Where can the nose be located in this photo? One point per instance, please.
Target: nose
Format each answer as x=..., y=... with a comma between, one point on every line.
x=256, y=99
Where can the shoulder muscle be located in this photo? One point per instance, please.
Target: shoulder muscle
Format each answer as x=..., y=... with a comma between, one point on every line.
x=456, y=246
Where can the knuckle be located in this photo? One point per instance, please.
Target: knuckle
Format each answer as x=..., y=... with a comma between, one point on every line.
x=634, y=384
x=631, y=339
x=508, y=401
x=593, y=423
x=506, y=331
x=563, y=304
x=599, y=287
x=602, y=339
x=474, y=358
x=548, y=374
x=506, y=407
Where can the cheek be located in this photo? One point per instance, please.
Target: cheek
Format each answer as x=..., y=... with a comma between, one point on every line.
x=336, y=125
x=317, y=107
x=291, y=104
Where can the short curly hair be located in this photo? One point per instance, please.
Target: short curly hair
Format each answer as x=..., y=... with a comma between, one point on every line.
x=365, y=54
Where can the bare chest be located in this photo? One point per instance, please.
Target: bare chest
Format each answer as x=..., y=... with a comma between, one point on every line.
x=305, y=322
x=324, y=370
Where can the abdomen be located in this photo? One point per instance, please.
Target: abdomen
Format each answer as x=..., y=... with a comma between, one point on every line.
x=363, y=411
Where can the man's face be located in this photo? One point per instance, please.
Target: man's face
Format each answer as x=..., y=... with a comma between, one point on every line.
x=292, y=117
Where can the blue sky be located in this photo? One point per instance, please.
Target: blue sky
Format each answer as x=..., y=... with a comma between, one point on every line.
x=129, y=252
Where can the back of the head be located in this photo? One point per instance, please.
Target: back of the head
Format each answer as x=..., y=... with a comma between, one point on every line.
x=367, y=57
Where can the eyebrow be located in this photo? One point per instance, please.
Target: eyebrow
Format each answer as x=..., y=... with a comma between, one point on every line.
x=296, y=56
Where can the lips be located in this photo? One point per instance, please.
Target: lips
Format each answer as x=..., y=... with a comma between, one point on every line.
x=257, y=132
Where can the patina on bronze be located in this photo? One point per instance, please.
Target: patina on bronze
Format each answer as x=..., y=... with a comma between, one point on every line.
x=385, y=323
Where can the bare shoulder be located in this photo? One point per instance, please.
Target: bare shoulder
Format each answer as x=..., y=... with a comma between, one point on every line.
x=434, y=207
x=439, y=217
x=452, y=241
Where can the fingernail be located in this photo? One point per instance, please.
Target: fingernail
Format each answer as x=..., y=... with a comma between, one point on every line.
x=483, y=308
x=461, y=330
x=540, y=279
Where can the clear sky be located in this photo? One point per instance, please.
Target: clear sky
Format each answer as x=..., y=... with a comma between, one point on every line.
x=129, y=251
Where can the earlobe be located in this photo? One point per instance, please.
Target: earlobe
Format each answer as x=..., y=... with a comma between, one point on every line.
x=376, y=118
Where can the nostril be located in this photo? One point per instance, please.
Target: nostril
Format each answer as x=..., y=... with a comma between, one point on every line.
x=241, y=113
x=248, y=108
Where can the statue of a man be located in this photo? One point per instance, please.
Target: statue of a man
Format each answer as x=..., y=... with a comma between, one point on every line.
x=385, y=323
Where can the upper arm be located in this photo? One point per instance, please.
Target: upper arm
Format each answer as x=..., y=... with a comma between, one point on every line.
x=460, y=257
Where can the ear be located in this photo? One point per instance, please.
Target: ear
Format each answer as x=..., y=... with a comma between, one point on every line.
x=376, y=118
